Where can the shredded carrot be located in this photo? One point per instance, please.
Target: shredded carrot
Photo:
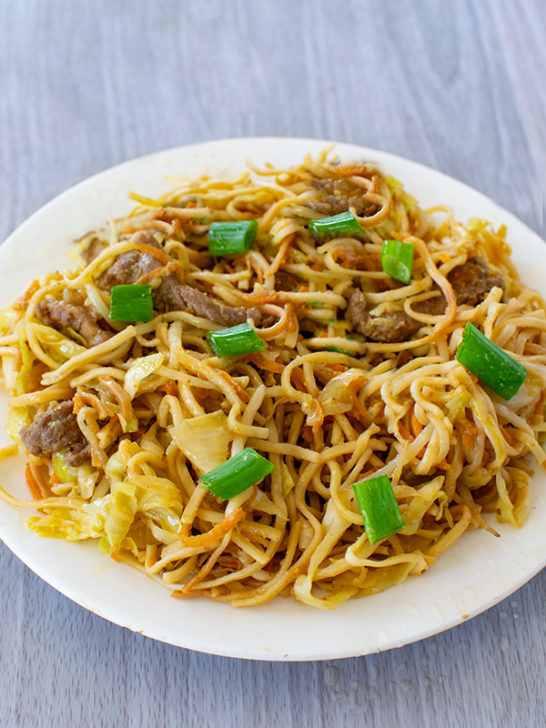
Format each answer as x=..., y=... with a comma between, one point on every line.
x=83, y=398
x=266, y=364
x=291, y=320
x=405, y=432
x=540, y=404
x=317, y=415
x=470, y=433
x=162, y=257
x=307, y=434
x=350, y=171
x=444, y=465
x=299, y=382
x=168, y=388
x=216, y=533
x=279, y=259
x=33, y=484
x=259, y=300
x=239, y=391
x=153, y=274
x=21, y=302
x=77, y=403
x=506, y=435
x=416, y=426
x=358, y=410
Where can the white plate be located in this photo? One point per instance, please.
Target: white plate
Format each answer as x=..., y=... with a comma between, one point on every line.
x=477, y=572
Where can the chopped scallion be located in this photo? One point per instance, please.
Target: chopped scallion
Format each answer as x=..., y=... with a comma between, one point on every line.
x=237, y=474
x=232, y=238
x=131, y=303
x=378, y=506
x=491, y=364
x=336, y=226
x=397, y=260
x=240, y=339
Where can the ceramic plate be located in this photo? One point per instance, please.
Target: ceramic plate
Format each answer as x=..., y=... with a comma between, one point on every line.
x=477, y=572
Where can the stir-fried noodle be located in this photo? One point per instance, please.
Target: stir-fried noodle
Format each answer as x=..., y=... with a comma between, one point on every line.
x=358, y=377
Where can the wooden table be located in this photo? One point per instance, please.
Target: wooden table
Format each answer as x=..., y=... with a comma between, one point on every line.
x=87, y=84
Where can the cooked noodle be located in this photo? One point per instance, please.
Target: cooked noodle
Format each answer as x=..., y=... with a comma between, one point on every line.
x=326, y=404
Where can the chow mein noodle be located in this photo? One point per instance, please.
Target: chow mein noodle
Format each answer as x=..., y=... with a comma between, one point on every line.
x=302, y=337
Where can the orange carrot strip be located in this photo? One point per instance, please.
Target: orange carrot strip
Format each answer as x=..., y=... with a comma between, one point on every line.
x=299, y=382
x=281, y=255
x=162, y=257
x=152, y=274
x=266, y=364
x=416, y=426
x=169, y=388
x=506, y=435
x=216, y=533
x=405, y=433
x=33, y=484
x=470, y=433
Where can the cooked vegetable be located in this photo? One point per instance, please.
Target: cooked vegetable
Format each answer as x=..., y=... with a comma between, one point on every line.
x=378, y=506
x=491, y=364
x=397, y=260
x=241, y=339
x=131, y=303
x=336, y=226
x=141, y=368
x=237, y=474
x=204, y=440
x=232, y=238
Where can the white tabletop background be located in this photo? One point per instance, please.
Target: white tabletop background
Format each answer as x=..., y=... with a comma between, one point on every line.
x=84, y=84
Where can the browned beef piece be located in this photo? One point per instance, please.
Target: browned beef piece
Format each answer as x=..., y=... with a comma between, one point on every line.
x=340, y=194
x=56, y=430
x=128, y=267
x=473, y=280
x=171, y=294
x=471, y=283
x=392, y=326
x=93, y=249
x=62, y=316
x=285, y=281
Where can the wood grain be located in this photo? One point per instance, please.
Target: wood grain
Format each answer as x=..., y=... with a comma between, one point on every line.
x=85, y=85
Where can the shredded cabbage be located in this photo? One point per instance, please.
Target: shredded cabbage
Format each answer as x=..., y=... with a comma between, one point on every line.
x=337, y=397
x=15, y=421
x=8, y=318
x=70, y=524
x=120, y=514
x=138, y=371
x=204, y=440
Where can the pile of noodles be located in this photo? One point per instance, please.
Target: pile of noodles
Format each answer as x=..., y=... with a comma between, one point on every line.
x=326, y=407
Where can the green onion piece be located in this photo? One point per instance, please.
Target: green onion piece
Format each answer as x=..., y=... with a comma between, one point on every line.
x=236, y=475
x=491, y=364
x=132, y=303
x=378, y=506
x=397, y=260
x=337, y=226
x=241, y=339
x=232, y=238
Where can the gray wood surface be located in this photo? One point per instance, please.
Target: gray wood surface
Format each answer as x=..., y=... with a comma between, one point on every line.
x=85, y=84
